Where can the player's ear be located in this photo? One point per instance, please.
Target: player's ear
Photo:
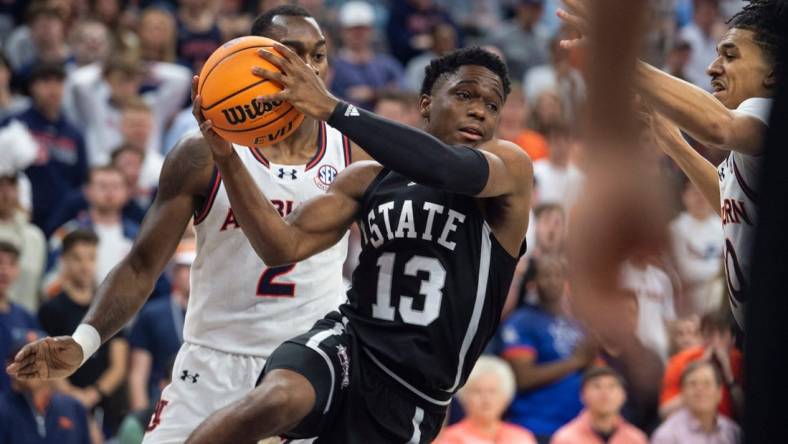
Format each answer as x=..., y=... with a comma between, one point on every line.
x=770, y=81
x=425, y=102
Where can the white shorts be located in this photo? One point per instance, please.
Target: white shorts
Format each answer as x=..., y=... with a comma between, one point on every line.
x=203, y=381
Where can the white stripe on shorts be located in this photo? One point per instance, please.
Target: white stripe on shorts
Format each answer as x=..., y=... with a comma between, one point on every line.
x=418, y=417
x=314, y=343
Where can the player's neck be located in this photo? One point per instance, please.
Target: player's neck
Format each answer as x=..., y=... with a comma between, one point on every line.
x=298, y=148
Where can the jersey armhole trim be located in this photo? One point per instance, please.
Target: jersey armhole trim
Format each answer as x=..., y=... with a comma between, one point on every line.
x=347, y=150
x=321, y=145
x=749, y=192
x=216, y=180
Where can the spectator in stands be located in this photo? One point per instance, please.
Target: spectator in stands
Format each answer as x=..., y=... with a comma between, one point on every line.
x=557, y=75
x=158, y=35
x=697, y=251
x=137, y=128
x=523, y=40
x=41, y=40
x=90, y=42
x=15, y=229
x=360, y=73
x=699, y=421
x=654, y=289
x=685, y=334
x=61, y=165
x=131, y=161
x=107, y=194
x=677, y=60
x=718, y=348
x=98, y=94
x=10, y=102
x=34, y=412
x=13, y=317
x=158, y=334
x=198, y=32
x=444, y=40
x=548, y=353
x=557, y=179
x=603, y=395
x=98, y=381
x=488, y=391
x=702, y=34
x=410, y=25
x=513, y=126
x=399, y=106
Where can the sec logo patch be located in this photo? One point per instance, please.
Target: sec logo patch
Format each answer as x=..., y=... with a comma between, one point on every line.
x=325, y=176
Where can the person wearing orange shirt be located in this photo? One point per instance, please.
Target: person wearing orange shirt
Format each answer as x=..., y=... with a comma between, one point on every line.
x=513, y=127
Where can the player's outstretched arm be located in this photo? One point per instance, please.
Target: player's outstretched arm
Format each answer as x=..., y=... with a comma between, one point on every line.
x=185, y=174
x=699, y=170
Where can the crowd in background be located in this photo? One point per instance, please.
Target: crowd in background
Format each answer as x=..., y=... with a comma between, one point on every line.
x=94, y=93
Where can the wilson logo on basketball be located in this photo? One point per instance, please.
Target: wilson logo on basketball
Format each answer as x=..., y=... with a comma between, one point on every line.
x=239, y=114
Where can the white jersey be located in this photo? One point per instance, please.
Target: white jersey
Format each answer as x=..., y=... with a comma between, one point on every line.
x=739, y=196
x=237, y=303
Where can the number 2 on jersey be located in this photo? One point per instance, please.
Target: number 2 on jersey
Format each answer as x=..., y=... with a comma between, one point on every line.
x=431, y=288
x=268, y=287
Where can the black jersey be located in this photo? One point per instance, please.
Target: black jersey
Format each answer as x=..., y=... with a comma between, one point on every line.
x=430, y=285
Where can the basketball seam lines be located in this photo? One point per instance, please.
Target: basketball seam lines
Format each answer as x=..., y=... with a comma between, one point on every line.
x=208, y=74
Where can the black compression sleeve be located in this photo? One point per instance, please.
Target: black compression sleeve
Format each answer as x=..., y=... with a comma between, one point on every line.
x=412, y=152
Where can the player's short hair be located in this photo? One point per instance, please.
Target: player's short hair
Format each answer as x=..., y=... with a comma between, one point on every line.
x=125, y=148
x=77, y=237
x=451, y=62
x=9, y=248
x=693, y=366
x=720, y=320
x=500, y=368
x=264, y=22
x=598, y=372
x=767, y=20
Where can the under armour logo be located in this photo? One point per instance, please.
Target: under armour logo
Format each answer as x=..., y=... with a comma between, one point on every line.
x=291, y=173
x=410, y=184
x=185, y=375
x=351, y=111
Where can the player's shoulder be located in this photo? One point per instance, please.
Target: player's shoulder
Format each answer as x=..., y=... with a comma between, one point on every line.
x=356, y=178
x=188, y=167
x=512, y=155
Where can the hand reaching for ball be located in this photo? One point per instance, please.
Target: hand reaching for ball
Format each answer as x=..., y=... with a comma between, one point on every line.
x=301, y=86
x=220, y=148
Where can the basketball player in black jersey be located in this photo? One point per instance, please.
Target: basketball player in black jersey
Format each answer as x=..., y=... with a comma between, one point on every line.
x=443, y=217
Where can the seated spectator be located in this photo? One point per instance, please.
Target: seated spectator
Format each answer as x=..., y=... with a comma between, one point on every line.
x=716, y=328
x=32, y=411
x=488, y=391
x=41, y=40
x=548, y=353
x=557, y=179
x=10, y=102
x=523, y=40
x=13, y=318
x=697, y=251
x=401, y=107
x=61, y=165
x=360, y=73
x=677, y=60
x=135, y=424
x=128, y=161
x=198, y=33
x=603, y=395
x=136, y=126
x=15, y=229
x=685, y=334
x=107, y=194
x=410, y=26
x=699, y=421
x=97, y=383
x=90, y=41
x=654, y=289
x=98, y=93
x=444, y=41
x=157, y=335
x=158, y=34
x=513, y=126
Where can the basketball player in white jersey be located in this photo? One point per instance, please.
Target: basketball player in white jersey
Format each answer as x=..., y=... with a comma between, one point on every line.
x=239, y=309
x=733, y=118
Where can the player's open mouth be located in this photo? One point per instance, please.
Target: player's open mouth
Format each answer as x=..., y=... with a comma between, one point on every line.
x=471, y=133
x=717, y=86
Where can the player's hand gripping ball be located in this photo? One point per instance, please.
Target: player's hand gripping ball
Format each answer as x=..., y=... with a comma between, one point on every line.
x=228, y=89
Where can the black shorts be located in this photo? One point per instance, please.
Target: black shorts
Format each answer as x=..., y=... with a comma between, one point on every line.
x=356, y=403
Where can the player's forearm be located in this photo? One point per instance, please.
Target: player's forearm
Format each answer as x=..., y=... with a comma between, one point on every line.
x=694, y=110
x=271, y=237
x=413, y=153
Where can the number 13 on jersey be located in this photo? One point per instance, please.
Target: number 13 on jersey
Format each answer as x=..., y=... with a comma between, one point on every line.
x=431, y=288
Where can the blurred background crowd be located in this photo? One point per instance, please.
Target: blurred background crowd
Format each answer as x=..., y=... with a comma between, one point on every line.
x=94, y=93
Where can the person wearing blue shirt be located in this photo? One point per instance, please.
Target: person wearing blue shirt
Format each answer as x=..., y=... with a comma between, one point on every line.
x=32, y=413
x=13, y=318
x=548, y=353
x=157, y=336
x=61, y=165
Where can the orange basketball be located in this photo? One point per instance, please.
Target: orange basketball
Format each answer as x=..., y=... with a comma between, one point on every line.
x=228, y=89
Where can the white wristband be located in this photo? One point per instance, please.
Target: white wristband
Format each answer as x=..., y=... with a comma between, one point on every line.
x=88, y=338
